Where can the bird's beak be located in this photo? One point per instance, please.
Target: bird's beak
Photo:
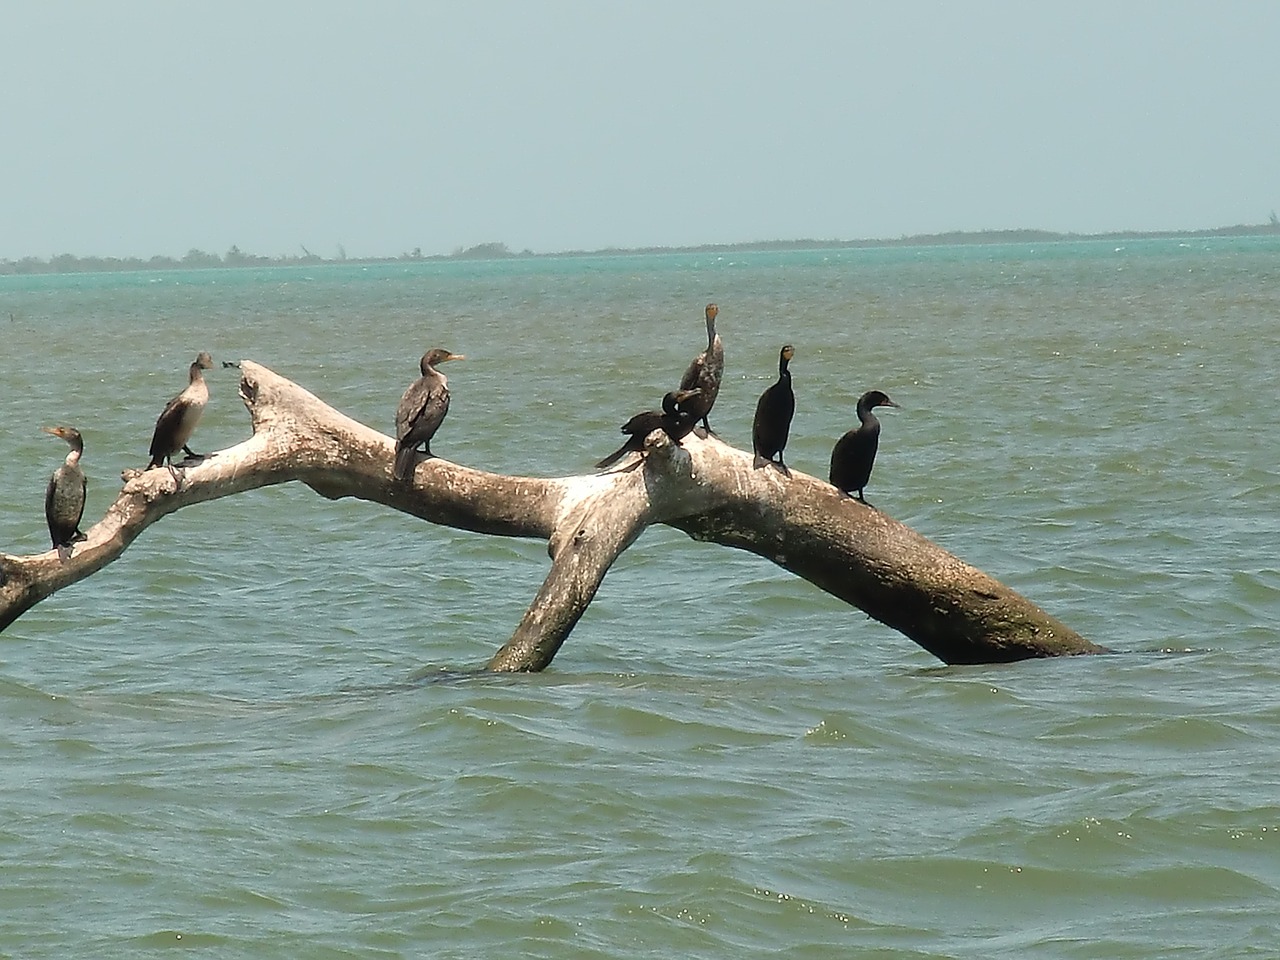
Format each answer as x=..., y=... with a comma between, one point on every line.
x=53, y=431
x=456, y=356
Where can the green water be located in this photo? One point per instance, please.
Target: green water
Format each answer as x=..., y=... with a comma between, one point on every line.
x=249, y=735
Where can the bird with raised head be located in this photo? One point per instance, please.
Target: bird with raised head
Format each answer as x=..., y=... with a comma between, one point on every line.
x=421, y=411
x=705, y=372
x=855, y=453
x=774, y=410
x=64, y=497
x=180, y=416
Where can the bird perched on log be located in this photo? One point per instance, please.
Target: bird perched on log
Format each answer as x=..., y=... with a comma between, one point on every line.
x=705, y=372
x=774, y=410
x=676, y=420
x=422, y=409
x=178, y=420
x=64, y=497
x=855, y=452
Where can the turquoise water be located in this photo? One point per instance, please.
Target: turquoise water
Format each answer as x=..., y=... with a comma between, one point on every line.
x=253, y=733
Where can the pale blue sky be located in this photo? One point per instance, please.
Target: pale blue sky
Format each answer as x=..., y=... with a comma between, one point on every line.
x=135, y=128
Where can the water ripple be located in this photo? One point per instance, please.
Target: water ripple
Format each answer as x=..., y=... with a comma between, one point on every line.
x=260, y=730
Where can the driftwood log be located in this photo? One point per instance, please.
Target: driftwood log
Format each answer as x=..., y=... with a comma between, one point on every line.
x=706, y=488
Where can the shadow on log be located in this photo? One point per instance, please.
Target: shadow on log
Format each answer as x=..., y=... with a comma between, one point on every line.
x=705, y=488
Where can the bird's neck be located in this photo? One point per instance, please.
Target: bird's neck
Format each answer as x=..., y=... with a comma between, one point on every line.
x=73, y=458
x=196, y=374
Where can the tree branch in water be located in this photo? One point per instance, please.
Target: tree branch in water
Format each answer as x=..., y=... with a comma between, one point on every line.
x=704, y=487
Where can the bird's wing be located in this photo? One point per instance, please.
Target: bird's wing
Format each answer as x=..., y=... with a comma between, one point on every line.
x=84, y=495
x=693, y=374
x=412, y=403
x=167, y=423
x=645, y=423
x=421, y=413
x=49, y=493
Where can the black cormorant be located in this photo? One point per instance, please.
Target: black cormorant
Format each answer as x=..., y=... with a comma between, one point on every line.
x=180, y=415
x=855, y=452
x=676, y=420
x=705, y=372
x=774, y=410
x=422, y=409
x=64, y=497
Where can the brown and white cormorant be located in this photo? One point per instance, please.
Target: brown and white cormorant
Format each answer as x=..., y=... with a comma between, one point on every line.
x=676, y=420
x=422, y=409
x=774, y=410
x=705, y=372
x=178, y=420
x=855, y=452
x=65, y=495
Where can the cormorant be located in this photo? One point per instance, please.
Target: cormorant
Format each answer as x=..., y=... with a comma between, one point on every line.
x=178, y=420
x=855, y=452
x=705, y=372
x=422, y=409
x=64, y=497
x=774, y=410
x=676, y=419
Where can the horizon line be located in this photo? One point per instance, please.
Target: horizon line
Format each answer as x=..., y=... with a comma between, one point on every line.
x=497, y=250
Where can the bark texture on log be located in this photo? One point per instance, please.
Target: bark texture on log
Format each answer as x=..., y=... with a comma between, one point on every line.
x=704, y=487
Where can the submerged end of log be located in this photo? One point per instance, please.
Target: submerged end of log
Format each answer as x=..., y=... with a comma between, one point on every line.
x=879, y=565
x=701, y=485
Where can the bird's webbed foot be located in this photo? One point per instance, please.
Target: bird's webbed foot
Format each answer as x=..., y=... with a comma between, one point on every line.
x=192, y=458
x=764, y=461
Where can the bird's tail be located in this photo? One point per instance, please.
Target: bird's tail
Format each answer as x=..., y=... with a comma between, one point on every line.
x=612, y=458
x=403, y=468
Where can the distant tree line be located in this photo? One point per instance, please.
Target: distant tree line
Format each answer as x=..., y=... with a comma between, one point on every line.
x=196, y=259
x=235, y=257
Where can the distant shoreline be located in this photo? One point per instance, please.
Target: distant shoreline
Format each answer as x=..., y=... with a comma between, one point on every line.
x=234, y=258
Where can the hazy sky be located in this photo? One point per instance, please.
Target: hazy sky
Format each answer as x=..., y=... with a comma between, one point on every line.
x=132, y=128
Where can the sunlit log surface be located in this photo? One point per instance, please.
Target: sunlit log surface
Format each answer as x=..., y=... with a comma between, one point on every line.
x=706, y=488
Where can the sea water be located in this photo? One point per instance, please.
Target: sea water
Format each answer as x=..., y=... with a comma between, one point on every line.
x=258, y=732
